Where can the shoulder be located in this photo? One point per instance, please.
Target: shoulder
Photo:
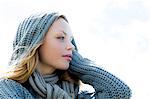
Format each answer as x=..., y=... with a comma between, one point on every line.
x=12, y=89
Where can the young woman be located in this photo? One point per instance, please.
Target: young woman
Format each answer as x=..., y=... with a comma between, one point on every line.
x=45, y=64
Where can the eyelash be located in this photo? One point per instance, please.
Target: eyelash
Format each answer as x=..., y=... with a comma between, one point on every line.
x=61, y=37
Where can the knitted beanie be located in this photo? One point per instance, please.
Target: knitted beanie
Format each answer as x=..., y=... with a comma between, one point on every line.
x=31, y=32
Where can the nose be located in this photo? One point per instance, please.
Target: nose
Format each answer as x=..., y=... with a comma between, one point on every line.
x=70, y=46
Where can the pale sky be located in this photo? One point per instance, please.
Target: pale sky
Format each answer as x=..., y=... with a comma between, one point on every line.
x=113, y=33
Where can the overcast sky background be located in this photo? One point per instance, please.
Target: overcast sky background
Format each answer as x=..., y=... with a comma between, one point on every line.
x=113, y=33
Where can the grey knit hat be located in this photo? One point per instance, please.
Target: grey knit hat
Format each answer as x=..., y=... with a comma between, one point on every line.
x=31, y=32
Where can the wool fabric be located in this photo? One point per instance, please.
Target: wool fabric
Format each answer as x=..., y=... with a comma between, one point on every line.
x=31, y=32
x=46, y=86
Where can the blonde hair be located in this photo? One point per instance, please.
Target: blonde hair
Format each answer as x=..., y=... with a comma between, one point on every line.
x=24, y=67
x=22, y=71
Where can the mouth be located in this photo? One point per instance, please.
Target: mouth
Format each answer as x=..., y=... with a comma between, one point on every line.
x=68, y=57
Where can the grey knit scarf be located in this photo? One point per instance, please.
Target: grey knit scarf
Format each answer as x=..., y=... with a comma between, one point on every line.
x=47, y=88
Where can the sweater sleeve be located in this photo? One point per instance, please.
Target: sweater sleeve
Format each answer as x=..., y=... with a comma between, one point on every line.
x=10, y=89
x=106, y=85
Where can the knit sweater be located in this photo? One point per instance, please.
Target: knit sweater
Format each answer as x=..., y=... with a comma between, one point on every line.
x=106, y=85
x=10, y=89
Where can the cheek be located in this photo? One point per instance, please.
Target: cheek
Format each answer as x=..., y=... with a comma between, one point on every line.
x=51, y=54
x=57, y=48
x=51, y=51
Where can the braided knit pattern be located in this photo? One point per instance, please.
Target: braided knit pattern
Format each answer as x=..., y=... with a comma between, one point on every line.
x=31, y=32
x=10, y=89
x=103, y=82
x=46, y=86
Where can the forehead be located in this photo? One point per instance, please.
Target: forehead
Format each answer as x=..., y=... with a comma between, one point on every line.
x=61, y=25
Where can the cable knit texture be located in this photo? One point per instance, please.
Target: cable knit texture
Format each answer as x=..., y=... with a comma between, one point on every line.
x=46, y=86
x=10, y=89
x=104, y=83
x=30, y=33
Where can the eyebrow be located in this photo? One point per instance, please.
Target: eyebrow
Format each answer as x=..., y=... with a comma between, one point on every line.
x=66, y=34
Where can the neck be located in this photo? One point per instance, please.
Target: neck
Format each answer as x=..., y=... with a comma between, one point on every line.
x=45, y=69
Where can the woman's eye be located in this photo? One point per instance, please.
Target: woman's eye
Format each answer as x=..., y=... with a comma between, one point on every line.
x=61, y=37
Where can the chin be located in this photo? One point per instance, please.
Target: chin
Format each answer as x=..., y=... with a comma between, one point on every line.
x=64, y=67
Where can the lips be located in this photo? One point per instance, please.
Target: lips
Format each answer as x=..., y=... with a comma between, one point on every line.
x=68, y=57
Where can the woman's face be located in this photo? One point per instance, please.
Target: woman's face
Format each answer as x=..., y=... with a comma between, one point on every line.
x=56, y=51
